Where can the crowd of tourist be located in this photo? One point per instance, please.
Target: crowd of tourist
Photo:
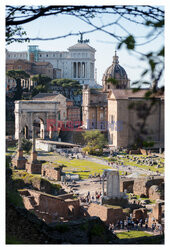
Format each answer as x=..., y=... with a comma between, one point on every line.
x=131, y=224
x=89, y=198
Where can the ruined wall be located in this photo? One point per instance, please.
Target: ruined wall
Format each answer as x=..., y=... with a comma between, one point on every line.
x=140, y=213
x=141, y=186
x=126, y=185
x=51, y=173
x=49, y=207
x=106, y=214
x=156, y=192
x=156, y=213
x=97, y=210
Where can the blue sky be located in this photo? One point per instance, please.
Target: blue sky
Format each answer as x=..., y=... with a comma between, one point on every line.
x=104, y=44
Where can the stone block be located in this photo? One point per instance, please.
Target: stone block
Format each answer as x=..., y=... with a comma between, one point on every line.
x=34, y=167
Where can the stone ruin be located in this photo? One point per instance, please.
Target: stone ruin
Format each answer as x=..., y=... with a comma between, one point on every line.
x=157, y=214
x=108, y=214
x=152, y=187
x=52, y=173
x=51, y=208
x=113, y=194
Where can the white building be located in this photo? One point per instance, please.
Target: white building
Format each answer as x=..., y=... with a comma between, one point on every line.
x=78, y=63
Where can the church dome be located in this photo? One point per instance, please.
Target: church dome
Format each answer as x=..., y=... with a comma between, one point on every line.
x=116, y=72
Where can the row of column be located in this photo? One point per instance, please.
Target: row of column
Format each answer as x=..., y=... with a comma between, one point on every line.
x=27, y=83
x=80, y=69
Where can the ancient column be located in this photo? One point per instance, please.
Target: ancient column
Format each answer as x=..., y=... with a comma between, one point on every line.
x=103, y=185
x=113, y=183
x=34, y=153
x=20, y=151
x=19, y=161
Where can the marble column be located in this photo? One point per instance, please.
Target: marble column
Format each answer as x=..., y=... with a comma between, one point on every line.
x=33, y=153
x=113, y=183
x=33, y=138
x=103, y=185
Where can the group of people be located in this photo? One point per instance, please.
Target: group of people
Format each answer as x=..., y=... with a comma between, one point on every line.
x=129, y=224
x=157, y=228
x=91, y=198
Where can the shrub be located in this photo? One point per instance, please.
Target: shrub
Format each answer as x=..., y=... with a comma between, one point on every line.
x=26, y=145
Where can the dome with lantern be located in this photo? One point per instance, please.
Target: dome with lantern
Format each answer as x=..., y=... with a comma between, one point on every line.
x=115, y=76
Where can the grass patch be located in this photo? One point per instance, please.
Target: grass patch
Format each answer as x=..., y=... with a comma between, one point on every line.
x=132, y=234
x=83, y=167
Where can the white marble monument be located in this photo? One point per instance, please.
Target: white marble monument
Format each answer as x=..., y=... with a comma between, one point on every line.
x=112, y=185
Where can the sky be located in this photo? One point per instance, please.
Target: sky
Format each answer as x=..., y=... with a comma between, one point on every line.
x=104, y=44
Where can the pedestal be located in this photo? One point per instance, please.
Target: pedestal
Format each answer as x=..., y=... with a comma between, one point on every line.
x=20, y=161
x=34, y=166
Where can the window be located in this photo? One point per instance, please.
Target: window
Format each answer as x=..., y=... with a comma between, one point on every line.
x=108, y=86
x=101, y=115
x=59, y=115
x=40, y=55
x=46, y=55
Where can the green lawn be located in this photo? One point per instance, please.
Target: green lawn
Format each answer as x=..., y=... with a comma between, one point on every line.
x=132, y=234
x=10, y=151
x=83, y=167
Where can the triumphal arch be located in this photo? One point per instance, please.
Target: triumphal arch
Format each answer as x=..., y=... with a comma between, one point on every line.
x=46, y=115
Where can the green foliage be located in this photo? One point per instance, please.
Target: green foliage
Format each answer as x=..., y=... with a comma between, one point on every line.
x=148, y=144
x=66, y=83
x=26, y=145
x=113, y=81
x=97, y=230
x=62, y=228
x=56, y=186
x=41, y=79
x=18, y=75
x=95, y=142
x=85, y=226
x=14, y=240
x=12, y=195
x=129, y=41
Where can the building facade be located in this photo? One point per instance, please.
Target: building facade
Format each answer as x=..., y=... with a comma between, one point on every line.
x=78, y=63
x=30, y=67
x=109, y=110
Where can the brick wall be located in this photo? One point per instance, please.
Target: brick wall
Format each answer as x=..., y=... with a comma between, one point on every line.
x=141, y=186
x=47, y=206
x=51, y=173
x=126, y=185
x=106, y=214
x=155, y=192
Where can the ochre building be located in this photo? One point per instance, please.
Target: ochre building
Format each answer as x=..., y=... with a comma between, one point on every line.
x=125, y=115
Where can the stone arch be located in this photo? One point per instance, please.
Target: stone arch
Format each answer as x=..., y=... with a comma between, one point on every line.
x=39, y=127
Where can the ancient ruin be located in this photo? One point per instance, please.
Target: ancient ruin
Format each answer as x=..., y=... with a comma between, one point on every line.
x=19, y=161
x=33, y=166
x=112, y=187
